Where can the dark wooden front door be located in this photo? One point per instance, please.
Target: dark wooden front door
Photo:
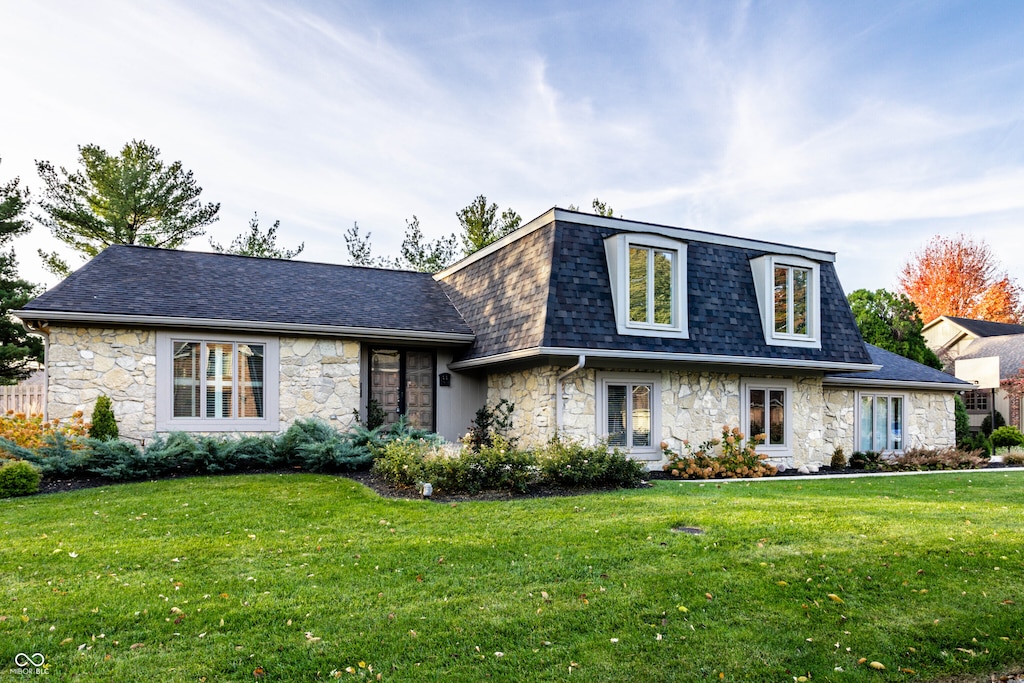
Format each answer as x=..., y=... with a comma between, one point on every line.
x=402, y=383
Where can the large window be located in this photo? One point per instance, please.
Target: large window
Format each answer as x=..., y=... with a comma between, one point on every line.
x=629, y=412
x=791, y=300
x=648, y=276
x=787, y=290
x=216, y=383
x=880, y=425
x=766, y=410
x=650, y=285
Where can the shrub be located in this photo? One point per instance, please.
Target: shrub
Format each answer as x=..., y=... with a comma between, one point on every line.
x=730, y=456
x=489, y=423
x=1014, y=458
x=123, y=461
x=865, y=460
x=978, y=442
x=838, y=459
x=497, y=467
x=987, y=426
x=401, y=462
x=570, y=463
x=104, y=424
x=30, y=431
x=18, y=478
x=1007, y=437
x=949, y=458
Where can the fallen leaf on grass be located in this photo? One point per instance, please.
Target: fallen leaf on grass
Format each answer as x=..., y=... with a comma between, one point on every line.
x=136, y=646
x=878, y=666
x=834, y=598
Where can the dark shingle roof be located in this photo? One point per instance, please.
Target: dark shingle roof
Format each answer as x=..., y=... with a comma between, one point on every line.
x=562, y=298
x=143, y=281
x=896, y=368
x=504, y=297
x=984, y=328
x=1009, y=348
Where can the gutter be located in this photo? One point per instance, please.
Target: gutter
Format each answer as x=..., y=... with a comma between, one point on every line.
x=895, y=383
x=662, y=356
x=560, y=396
x=99, y=319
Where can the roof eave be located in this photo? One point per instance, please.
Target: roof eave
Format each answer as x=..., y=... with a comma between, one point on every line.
x=895, y=384
x=659, y=356
x=301, y=329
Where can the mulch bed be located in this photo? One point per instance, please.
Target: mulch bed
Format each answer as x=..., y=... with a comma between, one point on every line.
x=387, y=490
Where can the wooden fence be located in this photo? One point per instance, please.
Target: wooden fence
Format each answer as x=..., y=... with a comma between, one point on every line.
x=22, y=398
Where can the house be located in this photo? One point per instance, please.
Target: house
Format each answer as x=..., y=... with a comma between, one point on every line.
x=594, y=327
x=982, y=353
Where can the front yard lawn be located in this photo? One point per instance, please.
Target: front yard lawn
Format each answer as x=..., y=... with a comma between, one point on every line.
x=310, y=577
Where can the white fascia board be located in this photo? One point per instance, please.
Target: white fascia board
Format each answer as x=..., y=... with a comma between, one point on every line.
x=661, y=356
x=299, y=329
x=864, y=382
x=690, y=235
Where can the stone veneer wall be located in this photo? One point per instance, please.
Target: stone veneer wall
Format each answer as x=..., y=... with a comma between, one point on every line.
x=694, y=406
x=318, y=377
x=84, y=362
x=931, y=413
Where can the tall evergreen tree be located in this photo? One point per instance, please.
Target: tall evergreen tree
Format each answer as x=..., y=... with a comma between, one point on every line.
x=129, y=198
x=482, y=225
x=19, y=350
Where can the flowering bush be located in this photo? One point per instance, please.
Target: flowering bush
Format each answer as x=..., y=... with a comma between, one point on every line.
x=499, y=466
x=31, y=431
x=729, y=457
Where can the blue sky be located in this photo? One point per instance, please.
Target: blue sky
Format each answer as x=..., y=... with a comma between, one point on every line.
x=863, y=128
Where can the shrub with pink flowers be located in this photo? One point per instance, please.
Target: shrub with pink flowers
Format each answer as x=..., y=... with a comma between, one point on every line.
x=731, y=456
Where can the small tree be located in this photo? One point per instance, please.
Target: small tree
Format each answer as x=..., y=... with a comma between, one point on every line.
x=962, y=419
x=104, y=424
x=892, y=322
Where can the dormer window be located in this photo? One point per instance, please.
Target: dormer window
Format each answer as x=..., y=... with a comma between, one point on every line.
x=788, y=295
x=648, y=282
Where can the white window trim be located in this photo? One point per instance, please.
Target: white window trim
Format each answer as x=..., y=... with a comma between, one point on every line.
x=165, y=383
x=857, y=423
x=763, y=270
x=768, y=384
x=617, y=252
x=652, y=452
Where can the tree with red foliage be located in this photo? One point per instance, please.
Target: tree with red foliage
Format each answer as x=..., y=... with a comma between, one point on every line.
x=961, y=277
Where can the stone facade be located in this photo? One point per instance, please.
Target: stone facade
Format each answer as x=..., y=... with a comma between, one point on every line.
x=318, y=377
x=696, y=405
x=85, y=362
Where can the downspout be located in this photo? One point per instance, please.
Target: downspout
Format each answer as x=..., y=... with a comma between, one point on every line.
x=559, y=396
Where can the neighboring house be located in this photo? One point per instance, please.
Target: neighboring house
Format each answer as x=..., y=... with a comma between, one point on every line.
x=983, y=353
x=594, y=327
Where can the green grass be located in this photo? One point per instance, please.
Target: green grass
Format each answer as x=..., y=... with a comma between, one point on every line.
x=302, y=575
